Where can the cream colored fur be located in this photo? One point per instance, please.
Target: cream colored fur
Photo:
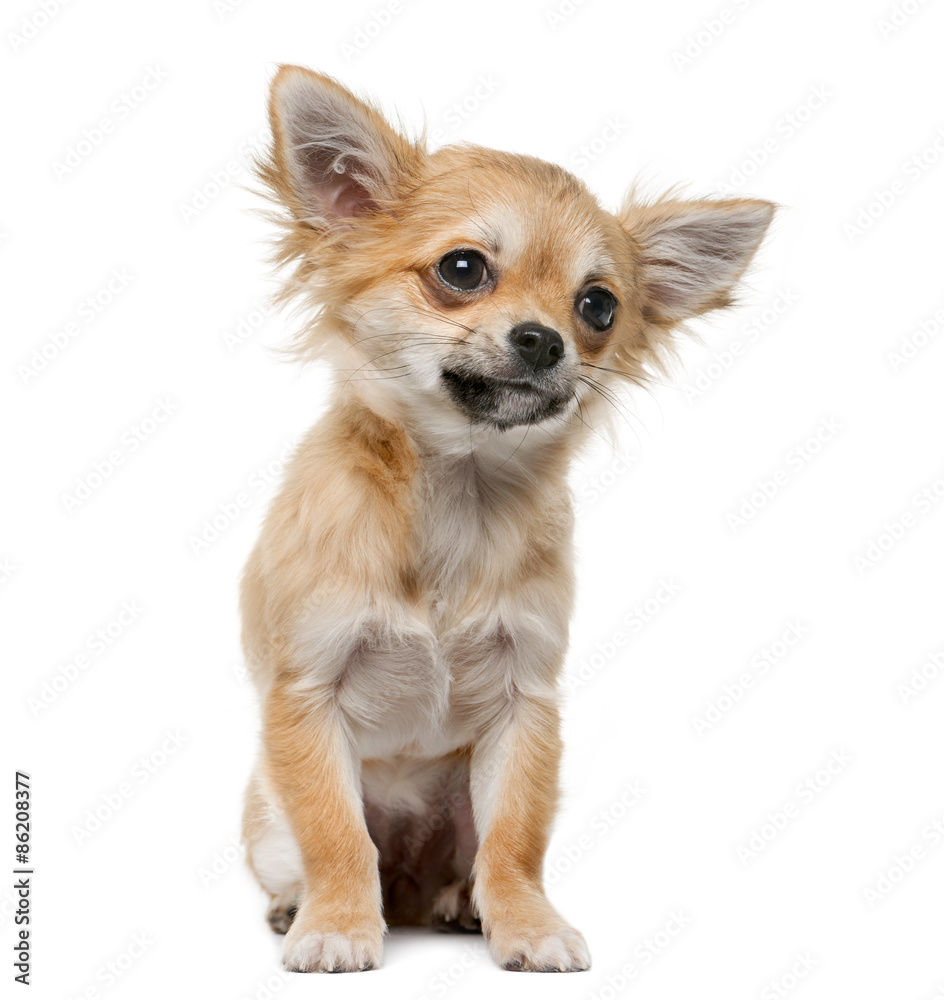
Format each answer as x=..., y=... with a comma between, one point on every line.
x=406, y=609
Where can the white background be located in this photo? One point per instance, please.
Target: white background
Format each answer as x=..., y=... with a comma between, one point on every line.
x=843, y=100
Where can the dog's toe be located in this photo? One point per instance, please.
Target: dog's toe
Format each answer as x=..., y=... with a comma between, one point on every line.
x=518, y=950
x=280, y=916
x=452, y=910
x=313, y=951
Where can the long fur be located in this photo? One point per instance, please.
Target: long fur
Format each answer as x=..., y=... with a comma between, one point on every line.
x=406, y=609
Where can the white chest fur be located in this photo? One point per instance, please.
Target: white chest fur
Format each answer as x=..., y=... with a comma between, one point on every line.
x=423, y=676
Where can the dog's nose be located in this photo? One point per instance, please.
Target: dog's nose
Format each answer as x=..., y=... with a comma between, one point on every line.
x=538, y=345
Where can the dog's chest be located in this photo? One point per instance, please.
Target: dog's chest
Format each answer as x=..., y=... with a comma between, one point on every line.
x=427, y=674
x=466, y=533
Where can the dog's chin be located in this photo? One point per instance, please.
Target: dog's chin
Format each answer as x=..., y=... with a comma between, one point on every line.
x=504, y=403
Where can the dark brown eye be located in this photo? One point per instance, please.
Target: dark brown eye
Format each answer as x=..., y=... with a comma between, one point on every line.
x=463, y=270
x=597, y=307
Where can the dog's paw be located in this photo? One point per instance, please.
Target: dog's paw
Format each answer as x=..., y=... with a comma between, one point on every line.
x=452, y=910
x=356, y=950
x=280, y=917
x=548, y=949
x=281, y=912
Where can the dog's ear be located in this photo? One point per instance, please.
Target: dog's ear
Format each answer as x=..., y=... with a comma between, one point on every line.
x=693, y=252
x=333, y=157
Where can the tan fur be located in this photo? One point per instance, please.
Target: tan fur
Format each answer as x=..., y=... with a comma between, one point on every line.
x=405, y=612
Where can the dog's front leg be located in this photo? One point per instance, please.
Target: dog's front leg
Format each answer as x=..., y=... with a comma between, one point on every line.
x=339, y=925
x=514, y=795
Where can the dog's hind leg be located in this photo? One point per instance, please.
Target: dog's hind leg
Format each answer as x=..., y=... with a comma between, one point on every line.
x=453, y=909
x=272, y=854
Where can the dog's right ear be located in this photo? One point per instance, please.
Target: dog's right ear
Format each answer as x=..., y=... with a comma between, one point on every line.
x=333, y=157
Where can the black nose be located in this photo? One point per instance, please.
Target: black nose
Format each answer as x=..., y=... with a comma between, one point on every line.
x=538, y=345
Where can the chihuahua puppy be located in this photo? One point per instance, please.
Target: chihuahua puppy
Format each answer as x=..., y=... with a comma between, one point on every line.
x=406, y=608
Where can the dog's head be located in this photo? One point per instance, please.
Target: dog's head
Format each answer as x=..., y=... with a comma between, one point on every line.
x=473, y=285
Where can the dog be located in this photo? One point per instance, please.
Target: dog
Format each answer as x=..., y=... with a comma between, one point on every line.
x=405, y=611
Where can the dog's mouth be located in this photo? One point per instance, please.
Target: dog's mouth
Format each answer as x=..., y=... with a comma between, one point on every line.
x=503, y=402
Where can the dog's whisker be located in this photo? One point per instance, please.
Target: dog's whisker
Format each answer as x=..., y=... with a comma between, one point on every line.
x=607, y=394
x=516, y=449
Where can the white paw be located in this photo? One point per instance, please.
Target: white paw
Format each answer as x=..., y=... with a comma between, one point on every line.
x=312, y=951
x=562, y=949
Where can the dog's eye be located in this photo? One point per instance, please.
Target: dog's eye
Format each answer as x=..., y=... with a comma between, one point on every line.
x=598, y=307
x=464, y=270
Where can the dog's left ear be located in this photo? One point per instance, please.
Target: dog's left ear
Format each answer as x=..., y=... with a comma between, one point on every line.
x=693, y=252
x=334, y=157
